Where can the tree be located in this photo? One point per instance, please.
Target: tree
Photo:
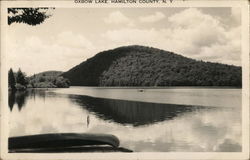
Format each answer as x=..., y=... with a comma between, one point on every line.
x=61, y=82
x=21, y=78
x=30, y=16
x=11, y=79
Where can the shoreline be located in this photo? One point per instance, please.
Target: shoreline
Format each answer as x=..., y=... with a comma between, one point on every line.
x=160, y=87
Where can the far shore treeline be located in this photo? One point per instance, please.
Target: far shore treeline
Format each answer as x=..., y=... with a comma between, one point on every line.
x=137, y=66
x=50, y=79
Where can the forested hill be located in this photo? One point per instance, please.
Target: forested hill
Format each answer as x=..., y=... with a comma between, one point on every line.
x=48, y=79
x=147, y=66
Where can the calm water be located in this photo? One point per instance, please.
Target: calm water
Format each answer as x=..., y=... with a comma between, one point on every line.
x=164, y=120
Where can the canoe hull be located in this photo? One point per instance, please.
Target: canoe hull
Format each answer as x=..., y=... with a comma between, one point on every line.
x=61, y=140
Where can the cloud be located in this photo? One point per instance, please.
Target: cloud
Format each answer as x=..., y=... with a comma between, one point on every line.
x=118, y=17
x=192, y=17
x=236, y=15
x=189, y=32
x=35, y=122
x=73, y=40
x=206, y=130
x=157, y=16
x=192, y=33
x=130, y=36
x=34, y=54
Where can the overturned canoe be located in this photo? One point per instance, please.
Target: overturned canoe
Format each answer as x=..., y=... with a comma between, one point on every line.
x=78, y=149
x=61, y=140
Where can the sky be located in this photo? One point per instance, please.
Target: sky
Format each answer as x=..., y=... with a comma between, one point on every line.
x=72, y=35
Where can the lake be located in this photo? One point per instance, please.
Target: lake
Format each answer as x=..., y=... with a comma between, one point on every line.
x=170, y=119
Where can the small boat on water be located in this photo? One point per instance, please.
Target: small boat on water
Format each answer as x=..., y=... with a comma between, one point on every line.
x=65, y=142
x=141, y=90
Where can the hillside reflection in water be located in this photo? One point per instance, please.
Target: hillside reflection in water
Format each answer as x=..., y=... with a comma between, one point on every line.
x=131, y=112
x=140, y=126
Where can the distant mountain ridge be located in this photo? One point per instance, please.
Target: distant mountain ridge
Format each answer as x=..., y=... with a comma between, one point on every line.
x=48, y=73
x=147, y=66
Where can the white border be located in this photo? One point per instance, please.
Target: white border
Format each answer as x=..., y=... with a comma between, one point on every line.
x=137, y=155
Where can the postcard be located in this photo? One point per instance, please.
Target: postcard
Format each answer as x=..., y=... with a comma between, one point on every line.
x=124, y=79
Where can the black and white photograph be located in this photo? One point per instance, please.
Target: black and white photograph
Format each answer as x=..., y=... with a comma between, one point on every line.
x=124, y=80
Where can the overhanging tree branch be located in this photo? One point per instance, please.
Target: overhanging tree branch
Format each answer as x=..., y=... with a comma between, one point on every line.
x=30, y=16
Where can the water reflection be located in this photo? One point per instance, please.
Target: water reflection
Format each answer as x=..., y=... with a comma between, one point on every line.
x=17, y=97
x=131, y=112
x=140, y=126
x=20, y=97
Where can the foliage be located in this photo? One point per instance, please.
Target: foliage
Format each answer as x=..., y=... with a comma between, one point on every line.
x=30, y=16
x=20, y=87
x=49, y=79
x=17, y=81
x=61, y=82
x=147, y=66
x=21, y=78
x=87, y=73
x=11, y=79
